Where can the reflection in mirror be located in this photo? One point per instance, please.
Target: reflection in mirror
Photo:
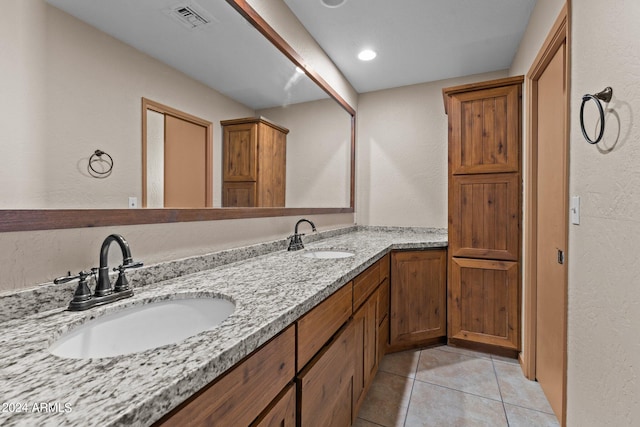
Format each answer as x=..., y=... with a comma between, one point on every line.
x=80, y=80
x=176, y=158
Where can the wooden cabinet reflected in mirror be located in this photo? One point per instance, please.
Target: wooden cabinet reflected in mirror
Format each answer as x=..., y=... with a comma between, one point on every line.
x=254, y=163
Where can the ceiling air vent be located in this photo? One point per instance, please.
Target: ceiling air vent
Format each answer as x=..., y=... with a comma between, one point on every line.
x=189, y=15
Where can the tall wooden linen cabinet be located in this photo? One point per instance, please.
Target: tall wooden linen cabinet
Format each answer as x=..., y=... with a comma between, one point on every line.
x=485, y=199
x=254, y=152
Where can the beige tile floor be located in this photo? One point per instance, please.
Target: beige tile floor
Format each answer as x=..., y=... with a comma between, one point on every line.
x=446, y=386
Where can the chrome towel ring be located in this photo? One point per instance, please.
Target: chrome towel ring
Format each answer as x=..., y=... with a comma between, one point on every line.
x=605, y=96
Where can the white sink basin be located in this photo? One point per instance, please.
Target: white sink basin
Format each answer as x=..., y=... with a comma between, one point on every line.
x=142, y=327
x=327, y=254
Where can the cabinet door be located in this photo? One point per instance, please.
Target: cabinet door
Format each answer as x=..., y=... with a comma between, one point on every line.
x=485, y=220
x=483, y=302
x=383, y=319
x=240, y=152
x=325, y=386
x=239, y=194
x=282, y=412
x=485, y=130
x=366, y=353
x=418, y=298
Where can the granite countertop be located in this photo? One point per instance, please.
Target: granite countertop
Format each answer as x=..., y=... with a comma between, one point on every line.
x=270, y=292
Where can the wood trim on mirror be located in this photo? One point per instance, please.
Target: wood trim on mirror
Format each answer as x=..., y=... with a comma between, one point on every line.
x=51, y=219
x=267, y=30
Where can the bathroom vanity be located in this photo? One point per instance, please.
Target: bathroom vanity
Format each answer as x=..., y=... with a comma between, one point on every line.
x=301, y=325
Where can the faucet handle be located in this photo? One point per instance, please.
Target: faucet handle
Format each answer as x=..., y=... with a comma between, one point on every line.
x=123, y=267
x=82, y=293
x=122, y=283
x=65, y=279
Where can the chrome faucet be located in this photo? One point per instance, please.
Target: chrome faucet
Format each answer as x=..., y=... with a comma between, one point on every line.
x=82, y=298
x=295, y=244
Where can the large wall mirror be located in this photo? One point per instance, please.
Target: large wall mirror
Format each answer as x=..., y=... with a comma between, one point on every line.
x=102, y=70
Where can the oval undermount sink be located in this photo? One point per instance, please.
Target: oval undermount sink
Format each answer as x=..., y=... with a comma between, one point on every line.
x=327, y=254
x=142, y=327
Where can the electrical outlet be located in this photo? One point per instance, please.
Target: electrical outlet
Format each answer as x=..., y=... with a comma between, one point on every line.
x=133, y=202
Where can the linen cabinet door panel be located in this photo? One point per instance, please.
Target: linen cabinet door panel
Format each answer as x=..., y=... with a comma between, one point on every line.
x=483, y=301
x=485, y=131
x=418, y=298
x=486, y=221
x=239, y=153
x=239, y=194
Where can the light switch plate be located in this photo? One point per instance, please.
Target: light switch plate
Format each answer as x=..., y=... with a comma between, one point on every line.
x=575, y=210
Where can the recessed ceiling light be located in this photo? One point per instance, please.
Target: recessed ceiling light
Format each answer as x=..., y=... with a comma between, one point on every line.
x=367, y=55
x=333, y=3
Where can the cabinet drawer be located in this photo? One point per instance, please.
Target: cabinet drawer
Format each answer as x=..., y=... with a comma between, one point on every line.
x=244, y=391
x=365, y=284
x=317, y=326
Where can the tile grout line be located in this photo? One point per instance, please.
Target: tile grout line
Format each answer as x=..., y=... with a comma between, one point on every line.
x=495, y=373
x=369, y=421
x=461, y=391
x=413, y=383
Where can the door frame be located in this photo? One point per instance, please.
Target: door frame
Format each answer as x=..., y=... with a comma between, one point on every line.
x=559, y=35
x=148, y=104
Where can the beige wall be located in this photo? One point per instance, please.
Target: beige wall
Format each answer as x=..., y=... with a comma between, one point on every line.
x=604, y=272
x=36, y=41
x=402, y=154
x=604, y=275
x=32, y=257
x=318, y=153
x=68, y=90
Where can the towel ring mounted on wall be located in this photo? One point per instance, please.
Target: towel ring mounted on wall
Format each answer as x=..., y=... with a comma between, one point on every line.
x=605, y=96
x=96, y=158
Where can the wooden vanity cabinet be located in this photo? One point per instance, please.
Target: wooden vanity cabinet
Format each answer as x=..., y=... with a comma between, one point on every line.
x=315, y=373
x=370, y=312
x=418, y=293
x=240, y=396
x=254, y=152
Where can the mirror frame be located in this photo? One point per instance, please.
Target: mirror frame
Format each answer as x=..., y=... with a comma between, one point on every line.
x=50, y=219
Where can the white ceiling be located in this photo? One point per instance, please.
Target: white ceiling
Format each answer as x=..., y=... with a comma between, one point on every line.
x=228, y=54
x=416, y=40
